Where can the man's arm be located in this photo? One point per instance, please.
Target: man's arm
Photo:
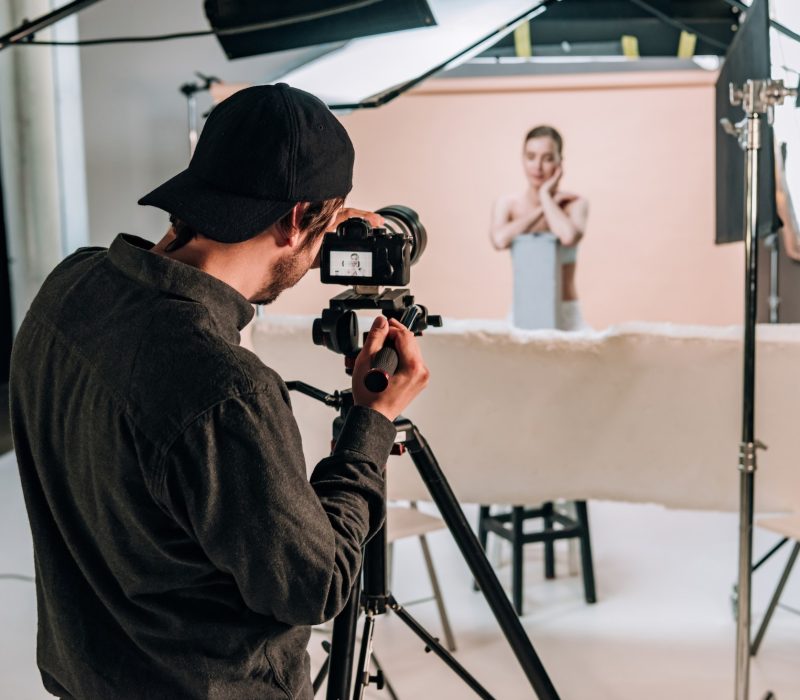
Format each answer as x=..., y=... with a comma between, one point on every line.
x=236, y=481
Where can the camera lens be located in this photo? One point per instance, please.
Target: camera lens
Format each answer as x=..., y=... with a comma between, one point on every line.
x=402, y=219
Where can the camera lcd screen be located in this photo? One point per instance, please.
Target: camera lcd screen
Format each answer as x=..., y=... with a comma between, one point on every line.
x=350, y=263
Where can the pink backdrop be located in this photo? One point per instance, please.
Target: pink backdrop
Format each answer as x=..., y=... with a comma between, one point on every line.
x=640, y=146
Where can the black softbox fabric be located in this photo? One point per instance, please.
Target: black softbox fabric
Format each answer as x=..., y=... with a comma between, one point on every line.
x=748, y=58
x=366, y=19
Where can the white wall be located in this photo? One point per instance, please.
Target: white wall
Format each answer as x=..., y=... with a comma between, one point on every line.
x=42, y=151
x=134, y=116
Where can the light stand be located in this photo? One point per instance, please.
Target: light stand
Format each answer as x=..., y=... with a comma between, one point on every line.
x=757, y=97
x=189, y=91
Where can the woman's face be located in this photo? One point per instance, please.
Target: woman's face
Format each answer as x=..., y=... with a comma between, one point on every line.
x=540, y=159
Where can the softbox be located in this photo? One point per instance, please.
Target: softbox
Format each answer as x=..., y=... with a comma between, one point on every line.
x=291, y=25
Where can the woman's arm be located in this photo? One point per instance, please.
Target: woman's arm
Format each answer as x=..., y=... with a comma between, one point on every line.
x=568, y=226
x=789, y=232
x=504, y=229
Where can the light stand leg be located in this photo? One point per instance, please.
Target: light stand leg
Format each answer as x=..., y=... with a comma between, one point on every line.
x=775, y=598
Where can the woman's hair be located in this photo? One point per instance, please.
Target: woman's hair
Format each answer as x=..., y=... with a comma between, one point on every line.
x=544, y=131
x=314, y=221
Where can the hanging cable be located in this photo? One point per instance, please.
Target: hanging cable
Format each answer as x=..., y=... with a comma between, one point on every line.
x=229, y=31
x=17, y=577
x=647, y=7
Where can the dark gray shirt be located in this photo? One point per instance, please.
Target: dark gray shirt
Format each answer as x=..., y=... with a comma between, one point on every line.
x=180, y=549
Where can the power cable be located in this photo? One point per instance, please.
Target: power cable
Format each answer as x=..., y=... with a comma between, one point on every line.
x=229, y=31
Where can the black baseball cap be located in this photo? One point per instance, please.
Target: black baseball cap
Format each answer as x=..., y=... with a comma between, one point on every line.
x=262, y=150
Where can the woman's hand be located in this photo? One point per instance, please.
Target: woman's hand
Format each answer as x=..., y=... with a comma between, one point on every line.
x=550, y=186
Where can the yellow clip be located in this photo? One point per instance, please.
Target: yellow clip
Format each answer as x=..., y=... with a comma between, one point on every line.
x=522, y=40
x=630, y=46
x=686, y=45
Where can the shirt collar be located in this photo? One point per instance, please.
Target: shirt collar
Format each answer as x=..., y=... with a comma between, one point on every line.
x=230, y=310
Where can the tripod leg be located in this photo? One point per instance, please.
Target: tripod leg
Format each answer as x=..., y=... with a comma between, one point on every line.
x=362, y=671
x=473, y=554
x=432, y=644
x=343, y=642
x=323, y=671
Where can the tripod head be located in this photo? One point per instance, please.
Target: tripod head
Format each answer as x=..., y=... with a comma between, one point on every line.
x=337, y=328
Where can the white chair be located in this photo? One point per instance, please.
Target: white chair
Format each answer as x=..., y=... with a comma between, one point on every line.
x=402, y=522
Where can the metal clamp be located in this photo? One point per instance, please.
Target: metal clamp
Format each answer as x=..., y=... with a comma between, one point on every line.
x=747, y=455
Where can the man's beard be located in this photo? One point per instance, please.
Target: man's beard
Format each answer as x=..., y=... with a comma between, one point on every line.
x=286, y=272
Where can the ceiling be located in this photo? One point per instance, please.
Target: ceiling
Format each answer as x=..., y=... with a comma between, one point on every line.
x=596, y=28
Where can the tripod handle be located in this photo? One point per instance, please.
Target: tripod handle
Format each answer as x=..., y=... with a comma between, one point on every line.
x=385, y=361
x=383, y=367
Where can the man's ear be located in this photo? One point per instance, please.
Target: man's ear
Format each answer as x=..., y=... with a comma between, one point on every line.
x=290, y=232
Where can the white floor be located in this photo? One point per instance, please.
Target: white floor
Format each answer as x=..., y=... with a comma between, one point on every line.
x=662, y=628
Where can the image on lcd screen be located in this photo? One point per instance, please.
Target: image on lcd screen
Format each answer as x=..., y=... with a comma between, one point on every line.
x=350, y=263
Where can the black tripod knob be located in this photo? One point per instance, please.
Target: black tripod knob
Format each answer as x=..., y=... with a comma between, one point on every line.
x=377, y=679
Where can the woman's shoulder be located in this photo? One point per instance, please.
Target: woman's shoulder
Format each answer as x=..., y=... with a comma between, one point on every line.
x=569, y=198
x=509, y=200
x=572, y=203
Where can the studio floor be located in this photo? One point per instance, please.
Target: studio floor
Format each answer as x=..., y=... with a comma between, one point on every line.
x=662, y=628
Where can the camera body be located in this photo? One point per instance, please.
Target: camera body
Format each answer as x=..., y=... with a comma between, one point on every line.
x=359, y=254
x=367, y=258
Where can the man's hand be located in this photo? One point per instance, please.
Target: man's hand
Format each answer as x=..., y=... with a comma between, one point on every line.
x=410, y=378
x=348, y=213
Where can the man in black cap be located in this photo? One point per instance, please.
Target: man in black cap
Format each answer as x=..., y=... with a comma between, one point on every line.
x=181, y=551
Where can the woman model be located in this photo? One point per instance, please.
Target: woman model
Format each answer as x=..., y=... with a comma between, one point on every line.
x=543, y=208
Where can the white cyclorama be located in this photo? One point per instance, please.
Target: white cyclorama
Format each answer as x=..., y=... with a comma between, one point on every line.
x=644, y=413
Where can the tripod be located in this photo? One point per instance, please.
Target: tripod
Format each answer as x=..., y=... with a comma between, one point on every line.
x=374, y=596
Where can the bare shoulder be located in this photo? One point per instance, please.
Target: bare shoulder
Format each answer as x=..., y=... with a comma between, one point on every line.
x=505, y=202
x=505, y=208
x=571, y=201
